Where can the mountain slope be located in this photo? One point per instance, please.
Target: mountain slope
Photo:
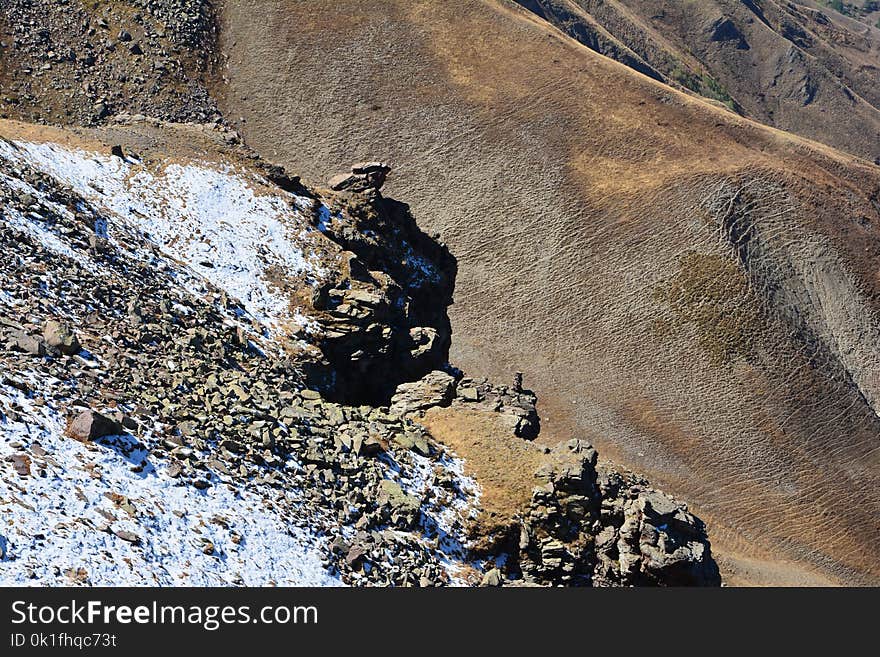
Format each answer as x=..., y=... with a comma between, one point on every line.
x=156, y=424
x=799, y=67
x=214, y=375
x=80, y=62
x=694, y=293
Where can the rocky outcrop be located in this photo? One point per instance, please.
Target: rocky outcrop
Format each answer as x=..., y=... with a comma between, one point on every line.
x=384, y=320
x=585, y=524
x=515, y=404
x=20, y=340
x=363, y=177
x=434, y=389
x=177, y=378
x=589, y=525
x=658, y=543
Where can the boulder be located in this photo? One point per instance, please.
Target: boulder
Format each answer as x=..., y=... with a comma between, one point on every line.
x=492, y=578
x=403, y=509
x=570, y=467
x=672, y=543
x=21, y=463
x=364, y=176
x=436, y=388
x=424, y=341
x=128, y=537
x=29, y=344
x=90, y=425
x=374, y=173
x=61, y=337
x=342, y=181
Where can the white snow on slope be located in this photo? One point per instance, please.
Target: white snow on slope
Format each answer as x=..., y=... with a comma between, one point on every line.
x=442, y=515
x=32, y=222
x=53, y=524
x=208, y=217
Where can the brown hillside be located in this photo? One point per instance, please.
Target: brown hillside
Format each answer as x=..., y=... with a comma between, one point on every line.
x=694, y=293
x=798, y=66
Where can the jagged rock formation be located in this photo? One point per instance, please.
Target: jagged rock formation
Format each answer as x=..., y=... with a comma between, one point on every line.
x=385, y=319
x=608, y=529
x=516, y=405
x=194, y=390
x=583, y=525
x=363, y=177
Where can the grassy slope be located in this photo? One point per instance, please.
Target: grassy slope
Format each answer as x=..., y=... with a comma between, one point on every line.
x=583, y=202
x=807, y=71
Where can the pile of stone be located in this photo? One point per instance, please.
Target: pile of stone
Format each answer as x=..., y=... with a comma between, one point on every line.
x=190, y=23
x=363, y=177
x=589, y=525
x=70, y=62
x=112, y=339
x=516, y=405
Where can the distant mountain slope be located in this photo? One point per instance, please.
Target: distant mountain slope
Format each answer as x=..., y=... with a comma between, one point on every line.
x=694, y=293
x=801, y=67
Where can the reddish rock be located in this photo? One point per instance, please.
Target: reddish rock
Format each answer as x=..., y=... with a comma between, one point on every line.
x=90, y=425
x=21, y=463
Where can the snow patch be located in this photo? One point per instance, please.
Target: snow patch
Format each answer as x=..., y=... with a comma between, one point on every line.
x=59, y=526
x=208, y=217
x=446, y=510
x=35, y=228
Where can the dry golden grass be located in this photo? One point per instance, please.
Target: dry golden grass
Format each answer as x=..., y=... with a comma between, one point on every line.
x=502, y=464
